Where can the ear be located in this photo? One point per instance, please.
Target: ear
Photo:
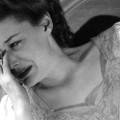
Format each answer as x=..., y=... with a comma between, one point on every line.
x=47, y=23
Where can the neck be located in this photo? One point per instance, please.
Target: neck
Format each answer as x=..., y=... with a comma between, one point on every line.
x=68, y=76
x=66, y=65
x=61, y=72
x=61, y=67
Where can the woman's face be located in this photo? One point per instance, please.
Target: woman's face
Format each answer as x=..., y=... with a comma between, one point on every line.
x=27, y=48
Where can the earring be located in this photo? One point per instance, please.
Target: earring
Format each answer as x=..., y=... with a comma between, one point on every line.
x=46, y=26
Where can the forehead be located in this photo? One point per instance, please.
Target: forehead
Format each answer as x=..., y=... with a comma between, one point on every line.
x=10, y=26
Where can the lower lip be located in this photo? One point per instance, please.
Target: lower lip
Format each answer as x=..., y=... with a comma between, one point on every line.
x=24, y=81
x=24, y=75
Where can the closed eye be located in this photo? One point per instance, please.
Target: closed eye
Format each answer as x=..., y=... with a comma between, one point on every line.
x=15, y=45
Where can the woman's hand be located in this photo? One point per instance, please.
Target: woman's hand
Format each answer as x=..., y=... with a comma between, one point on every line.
x=15, y=91
x=6, y=109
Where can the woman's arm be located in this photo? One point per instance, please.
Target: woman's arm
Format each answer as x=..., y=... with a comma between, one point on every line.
x=16, y=92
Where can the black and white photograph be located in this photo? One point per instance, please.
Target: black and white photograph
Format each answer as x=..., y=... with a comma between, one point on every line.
x=59, y=59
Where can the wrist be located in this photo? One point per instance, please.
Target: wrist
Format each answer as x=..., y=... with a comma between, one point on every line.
x=23, y=114
x=20, y=102
x=19, y=95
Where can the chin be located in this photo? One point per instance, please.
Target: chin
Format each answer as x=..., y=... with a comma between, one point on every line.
x=31, y=81
x=28, y=82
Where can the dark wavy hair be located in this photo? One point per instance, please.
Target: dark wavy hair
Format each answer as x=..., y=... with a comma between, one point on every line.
x=34, y=10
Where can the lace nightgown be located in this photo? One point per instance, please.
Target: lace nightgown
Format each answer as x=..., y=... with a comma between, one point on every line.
x=106, y=106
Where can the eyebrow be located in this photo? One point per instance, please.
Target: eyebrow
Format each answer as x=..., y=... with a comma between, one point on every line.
x=11, y=37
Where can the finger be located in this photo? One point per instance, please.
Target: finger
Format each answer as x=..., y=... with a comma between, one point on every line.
x=5, y=64
x=1, y=62
x=1, y=69
x=9, y=110
x=3, y=107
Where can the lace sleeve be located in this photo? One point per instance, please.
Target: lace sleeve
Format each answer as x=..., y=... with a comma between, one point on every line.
x=108, y=42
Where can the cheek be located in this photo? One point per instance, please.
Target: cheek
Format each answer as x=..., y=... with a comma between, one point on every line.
x=32, y=53
x=22, y=58
x=42, y=61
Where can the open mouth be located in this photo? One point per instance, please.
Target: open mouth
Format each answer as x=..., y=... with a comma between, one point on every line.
x=21, y=74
